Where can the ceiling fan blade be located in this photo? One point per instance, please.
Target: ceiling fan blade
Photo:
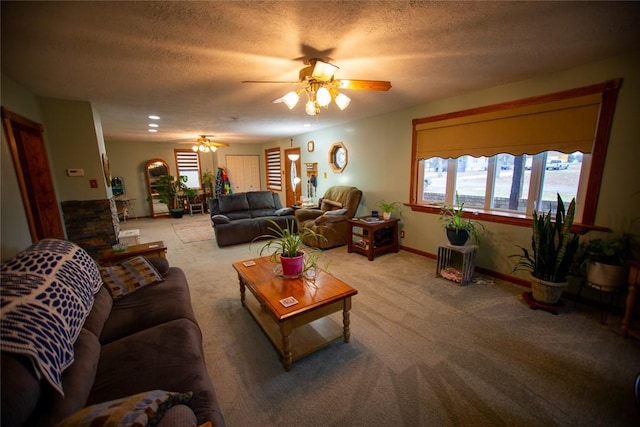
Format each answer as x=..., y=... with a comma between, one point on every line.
x=364, y=84
x=267, y=81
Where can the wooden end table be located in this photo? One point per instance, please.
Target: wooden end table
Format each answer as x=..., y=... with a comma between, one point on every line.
x=304, y=327
x=377, y=237
x=154, y=249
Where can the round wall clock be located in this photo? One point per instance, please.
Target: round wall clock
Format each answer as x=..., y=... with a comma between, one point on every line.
x=338, y=157
x=106, y=168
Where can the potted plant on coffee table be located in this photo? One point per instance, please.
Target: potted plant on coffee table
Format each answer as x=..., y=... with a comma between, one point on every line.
x=458, y=228
x=170, y=191
x=284, y=246
x=389, y=208
x=553, y=248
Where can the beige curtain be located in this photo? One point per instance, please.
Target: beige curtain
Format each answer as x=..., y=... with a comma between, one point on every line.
x=566, y=125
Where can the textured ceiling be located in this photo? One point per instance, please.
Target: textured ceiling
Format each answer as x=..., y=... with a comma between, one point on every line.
x=185, y=61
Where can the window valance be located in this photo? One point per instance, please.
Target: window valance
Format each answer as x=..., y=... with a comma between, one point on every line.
x=566, y=125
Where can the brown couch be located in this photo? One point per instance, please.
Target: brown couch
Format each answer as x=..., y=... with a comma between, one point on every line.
x=338, y=204
x=147, y=340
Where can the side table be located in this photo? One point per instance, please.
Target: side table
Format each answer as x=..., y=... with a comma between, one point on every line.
x=445, y=254
x=377, y=237
x=154, y=249
x=634, y=283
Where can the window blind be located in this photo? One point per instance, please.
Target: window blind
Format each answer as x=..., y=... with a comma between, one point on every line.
x=273, y=168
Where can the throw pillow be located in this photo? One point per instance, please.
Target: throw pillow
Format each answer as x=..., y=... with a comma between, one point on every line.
x=336, y=212
x=284, y=211
x=129, y=276
x=142, y=409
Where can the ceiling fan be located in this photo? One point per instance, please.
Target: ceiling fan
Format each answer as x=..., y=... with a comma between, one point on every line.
x=205, y=145
x=318, y=82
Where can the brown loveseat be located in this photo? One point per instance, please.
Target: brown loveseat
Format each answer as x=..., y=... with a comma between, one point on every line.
x=339, y=203
x=67, y=343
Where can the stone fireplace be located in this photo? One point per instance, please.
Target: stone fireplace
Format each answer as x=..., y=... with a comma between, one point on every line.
x=92, y=224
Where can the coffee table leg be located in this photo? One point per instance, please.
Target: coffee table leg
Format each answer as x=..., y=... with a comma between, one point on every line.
x=285, y=331
x=242, y=290
x=346, y=321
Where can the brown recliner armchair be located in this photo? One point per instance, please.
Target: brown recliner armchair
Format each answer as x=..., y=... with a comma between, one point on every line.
x=339, y=203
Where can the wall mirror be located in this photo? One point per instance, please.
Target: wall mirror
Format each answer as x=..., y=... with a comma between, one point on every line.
x=312, y=179
x=154, y=169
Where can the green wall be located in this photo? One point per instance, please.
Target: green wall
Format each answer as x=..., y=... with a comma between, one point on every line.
x=380, y=155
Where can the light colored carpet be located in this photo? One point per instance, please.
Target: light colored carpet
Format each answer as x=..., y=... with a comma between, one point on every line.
x=423, y=352
x=193, y=229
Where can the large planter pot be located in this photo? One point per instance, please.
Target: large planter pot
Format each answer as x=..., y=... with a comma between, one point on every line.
x=457, y=237
x=177, y=213
x=292, y=266
x=547, y=292
x=606, y=275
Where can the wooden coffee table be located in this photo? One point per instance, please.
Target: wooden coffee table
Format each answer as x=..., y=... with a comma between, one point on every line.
x=302, y=328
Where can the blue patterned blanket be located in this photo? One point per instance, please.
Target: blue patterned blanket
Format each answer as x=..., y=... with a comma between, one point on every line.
x=46, y=294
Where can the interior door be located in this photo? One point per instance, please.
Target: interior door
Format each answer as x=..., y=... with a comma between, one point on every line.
x=292, y=176
x=34, y=176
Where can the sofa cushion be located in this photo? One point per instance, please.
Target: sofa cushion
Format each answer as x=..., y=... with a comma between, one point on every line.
x=261, y=203
x=20, y=389
x=161, y=264
x=77, y=381
x=129, y=276
x=168, y=347
x=99, y=312
x=141, y=409
x=150, y=306
x=235, y=206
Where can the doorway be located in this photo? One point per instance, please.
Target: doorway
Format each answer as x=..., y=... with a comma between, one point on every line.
x=34, y=176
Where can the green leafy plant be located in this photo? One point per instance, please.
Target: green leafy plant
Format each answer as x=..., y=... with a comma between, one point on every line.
x=286, y=241
x=614, y=250
x=451, y=218
x=171, y=189
x=553, y=245
x=391, y=207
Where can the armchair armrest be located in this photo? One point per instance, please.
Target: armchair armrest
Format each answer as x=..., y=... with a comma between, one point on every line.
x=306, y=214
x=327, y=219
x=220, y=219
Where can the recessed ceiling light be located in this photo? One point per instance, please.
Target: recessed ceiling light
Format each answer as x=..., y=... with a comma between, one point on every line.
x=153, y=125
x=153, y=130
x=154, y=117
x=307, y=125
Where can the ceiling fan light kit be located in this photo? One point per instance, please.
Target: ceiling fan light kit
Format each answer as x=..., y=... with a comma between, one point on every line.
x=205, y=145
x=318, y=83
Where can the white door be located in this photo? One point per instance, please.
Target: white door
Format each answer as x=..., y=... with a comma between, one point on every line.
x=244, y=173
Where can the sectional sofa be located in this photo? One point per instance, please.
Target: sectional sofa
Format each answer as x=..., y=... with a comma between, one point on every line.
x=94, y=346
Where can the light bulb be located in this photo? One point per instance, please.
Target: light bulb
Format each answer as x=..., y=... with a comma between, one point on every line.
x=323, y=97
x=310, y=108
x=291, y=99
x=195, y=148
x=342, y=101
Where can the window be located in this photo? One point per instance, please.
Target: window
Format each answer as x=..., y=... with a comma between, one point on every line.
x=507, y=160
x=273, y=169
x=188, y=164
x=504, y=182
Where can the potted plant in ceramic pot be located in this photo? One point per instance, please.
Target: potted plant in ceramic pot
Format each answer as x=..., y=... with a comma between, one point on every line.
x=602, y=260
x=458, y=228
x=170, y=191
x=389, y=208
x=284, y=246
x=553, y=248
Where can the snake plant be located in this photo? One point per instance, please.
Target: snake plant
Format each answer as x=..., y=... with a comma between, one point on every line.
x=553, y=246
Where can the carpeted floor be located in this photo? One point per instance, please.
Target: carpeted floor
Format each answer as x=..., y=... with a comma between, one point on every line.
x=196, y=229
x=423, y=352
